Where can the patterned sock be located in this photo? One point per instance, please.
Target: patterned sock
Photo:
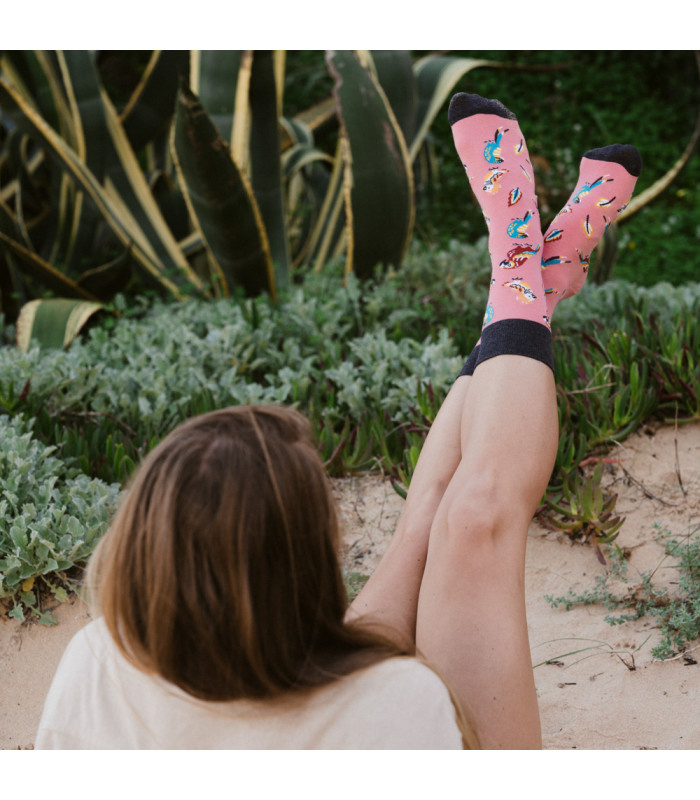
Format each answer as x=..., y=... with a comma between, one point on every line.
x=493, y=152
x=606, y=181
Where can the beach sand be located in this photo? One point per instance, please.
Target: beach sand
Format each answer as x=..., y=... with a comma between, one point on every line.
x=611, y=695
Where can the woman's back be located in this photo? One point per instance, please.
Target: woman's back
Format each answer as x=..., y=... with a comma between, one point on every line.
x=100, y=701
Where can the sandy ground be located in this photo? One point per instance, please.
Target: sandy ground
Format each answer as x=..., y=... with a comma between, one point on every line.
x=612, y=695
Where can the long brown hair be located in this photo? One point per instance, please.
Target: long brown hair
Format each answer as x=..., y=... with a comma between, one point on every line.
x=220, y=571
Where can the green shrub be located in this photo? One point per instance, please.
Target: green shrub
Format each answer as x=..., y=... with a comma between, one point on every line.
x=677, y=613
x=369, y=365
x=51, y=517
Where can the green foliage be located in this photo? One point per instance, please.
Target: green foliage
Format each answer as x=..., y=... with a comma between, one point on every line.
x=569, y=102
x=677, y=613
x=199, y=184
x=585, y=511
x=369, y=364
x=51, y=517
x=623, y=354
x=358, y=362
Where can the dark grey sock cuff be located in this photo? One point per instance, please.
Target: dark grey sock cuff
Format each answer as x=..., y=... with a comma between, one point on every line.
x=517, y=337
x=471, y=362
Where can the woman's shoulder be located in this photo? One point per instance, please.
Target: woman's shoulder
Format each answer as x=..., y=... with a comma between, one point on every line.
x=92, y=646
x=399, y=703
x=403, y=672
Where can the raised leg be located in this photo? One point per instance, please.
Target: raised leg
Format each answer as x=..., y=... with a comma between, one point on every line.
x=471, y=622
x=453, y=576
x=390, y=597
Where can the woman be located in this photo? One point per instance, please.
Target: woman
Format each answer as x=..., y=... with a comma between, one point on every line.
x=223, y=620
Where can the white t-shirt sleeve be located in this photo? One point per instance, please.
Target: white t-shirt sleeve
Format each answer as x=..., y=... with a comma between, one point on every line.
x=64, y=710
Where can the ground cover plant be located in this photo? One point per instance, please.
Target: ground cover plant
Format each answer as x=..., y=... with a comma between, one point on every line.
x=368, y=363
x=52, y=516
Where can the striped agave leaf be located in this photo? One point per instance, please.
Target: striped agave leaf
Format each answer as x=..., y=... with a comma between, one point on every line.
x=44, y=272
x=12, y=242
x=328, y=236
x=36, y=76
x=215, y=78
x=52, y=323
x=377, y=181
x=436, y=77
x=149, y=110
x=264, y=148
x=242, y=93
x=221, y=201
x=123, y=200
x=307, y=178
x=394, y=71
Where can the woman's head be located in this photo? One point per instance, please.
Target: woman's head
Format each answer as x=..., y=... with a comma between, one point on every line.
x=220, y=570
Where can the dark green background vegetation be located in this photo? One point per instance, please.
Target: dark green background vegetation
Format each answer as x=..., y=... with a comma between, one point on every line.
x=568, y=102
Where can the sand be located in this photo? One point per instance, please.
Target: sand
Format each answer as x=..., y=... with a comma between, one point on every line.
x=613, y=695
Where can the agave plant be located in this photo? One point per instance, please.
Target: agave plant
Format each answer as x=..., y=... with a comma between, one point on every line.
x=200, y=185
x=585, y=511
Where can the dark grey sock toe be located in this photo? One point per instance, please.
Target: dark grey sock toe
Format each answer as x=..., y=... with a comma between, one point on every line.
x=624, y=154
x=466, y=105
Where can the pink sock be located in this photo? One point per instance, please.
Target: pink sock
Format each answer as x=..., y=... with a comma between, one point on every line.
x=494, y=154
x=606, y=181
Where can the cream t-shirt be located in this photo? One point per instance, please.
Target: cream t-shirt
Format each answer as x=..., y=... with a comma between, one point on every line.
x=99, y=701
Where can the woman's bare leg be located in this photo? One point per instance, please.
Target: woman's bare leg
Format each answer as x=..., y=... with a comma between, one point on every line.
x=471, y=504
x=390, y=597
x=471, y=621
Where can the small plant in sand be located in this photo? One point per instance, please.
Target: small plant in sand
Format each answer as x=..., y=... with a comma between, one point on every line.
x=677, y=613
x=585, y=511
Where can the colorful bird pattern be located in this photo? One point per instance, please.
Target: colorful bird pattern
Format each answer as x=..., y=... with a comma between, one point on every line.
x=496, y=157
x=518, y=227
x=492, y=151
x=519, y=255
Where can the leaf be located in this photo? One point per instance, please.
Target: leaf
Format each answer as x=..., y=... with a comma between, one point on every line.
x=214, y=79
x=265, y=165
x=151, y=106
x=394, y=71
x=220, y=200
x=327, y=234
x=172, y=274
x=436, y=77
x=41, y=270
x=378, y=181
x=53, y=323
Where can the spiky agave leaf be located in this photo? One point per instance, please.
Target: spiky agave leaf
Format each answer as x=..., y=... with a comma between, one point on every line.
x=378, y=180
x=53, y=322
x=221, y=201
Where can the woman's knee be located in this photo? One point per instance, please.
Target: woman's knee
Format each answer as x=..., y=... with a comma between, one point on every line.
x=483, y=510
